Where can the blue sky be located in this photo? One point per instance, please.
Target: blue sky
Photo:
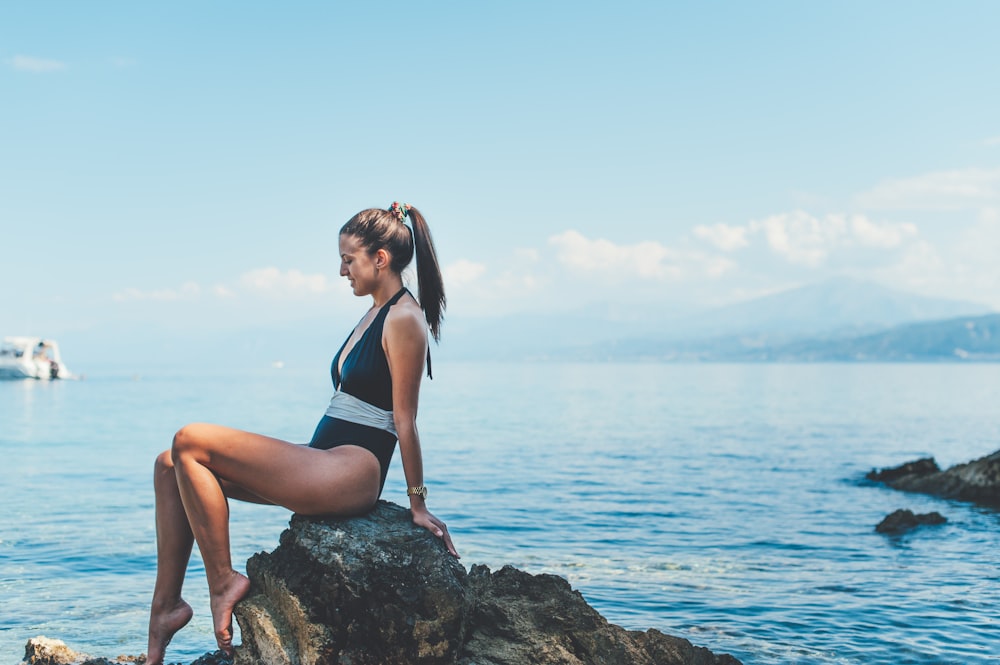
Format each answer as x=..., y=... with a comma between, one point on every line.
x=182, y=163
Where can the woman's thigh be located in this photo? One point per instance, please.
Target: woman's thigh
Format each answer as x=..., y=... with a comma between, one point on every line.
x=343, y=480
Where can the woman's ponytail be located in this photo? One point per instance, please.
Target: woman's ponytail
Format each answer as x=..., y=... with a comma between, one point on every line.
x=430, y=285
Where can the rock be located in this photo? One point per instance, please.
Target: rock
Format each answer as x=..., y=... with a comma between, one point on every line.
x=977, y=481
x=519, y=618
x=904, y=520
x=379, y=590
x=44, y=651
x=375, y=589
x=214, y=658
x=918, y=468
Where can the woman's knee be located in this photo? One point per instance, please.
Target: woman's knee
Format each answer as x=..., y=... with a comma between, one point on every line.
x=186, y=441
x=164, y=462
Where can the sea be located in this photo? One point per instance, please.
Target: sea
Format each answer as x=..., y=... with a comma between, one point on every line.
x=723, y=503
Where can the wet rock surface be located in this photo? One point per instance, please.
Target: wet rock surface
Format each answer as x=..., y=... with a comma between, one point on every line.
x=903, y=520
x=977, y=481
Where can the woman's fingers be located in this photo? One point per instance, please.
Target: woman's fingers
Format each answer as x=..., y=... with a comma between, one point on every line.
x=440, y=529
x=447, y=540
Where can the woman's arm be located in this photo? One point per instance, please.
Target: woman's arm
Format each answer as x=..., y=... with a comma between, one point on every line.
x=405, y=343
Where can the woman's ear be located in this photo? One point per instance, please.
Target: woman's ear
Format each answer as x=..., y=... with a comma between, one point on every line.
x=382, y=259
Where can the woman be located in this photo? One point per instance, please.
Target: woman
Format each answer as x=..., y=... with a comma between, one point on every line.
x=377, y=375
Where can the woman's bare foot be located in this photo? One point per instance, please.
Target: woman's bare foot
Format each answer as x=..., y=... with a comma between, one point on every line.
x=223, y=600
x=162, y=626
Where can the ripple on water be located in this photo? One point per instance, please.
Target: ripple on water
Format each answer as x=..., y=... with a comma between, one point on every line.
x=720, y=503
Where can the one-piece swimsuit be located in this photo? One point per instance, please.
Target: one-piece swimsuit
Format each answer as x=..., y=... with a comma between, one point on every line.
x=360, y=412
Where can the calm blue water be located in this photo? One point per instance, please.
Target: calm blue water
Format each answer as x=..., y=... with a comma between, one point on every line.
x=722, y=503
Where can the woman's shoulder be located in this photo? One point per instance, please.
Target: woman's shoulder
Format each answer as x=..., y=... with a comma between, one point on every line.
x=405, y=318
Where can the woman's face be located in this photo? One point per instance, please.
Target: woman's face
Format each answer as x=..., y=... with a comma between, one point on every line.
x=357, y=265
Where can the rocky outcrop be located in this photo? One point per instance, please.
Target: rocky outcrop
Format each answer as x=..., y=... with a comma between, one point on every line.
x=518, y=618
x=903, y=520
x=977, y=481
x=378, y=590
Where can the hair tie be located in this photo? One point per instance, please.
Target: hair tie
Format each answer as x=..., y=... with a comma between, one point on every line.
x=400, y=210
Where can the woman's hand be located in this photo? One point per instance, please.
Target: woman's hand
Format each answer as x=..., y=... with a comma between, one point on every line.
x=437, y=527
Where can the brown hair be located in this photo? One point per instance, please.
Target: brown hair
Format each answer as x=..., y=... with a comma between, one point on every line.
x=382, y=229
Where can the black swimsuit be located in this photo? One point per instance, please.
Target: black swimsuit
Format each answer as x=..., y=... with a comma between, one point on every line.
x=365, y=376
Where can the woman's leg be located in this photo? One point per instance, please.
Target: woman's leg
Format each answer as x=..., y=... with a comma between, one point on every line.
x=168, y=612
x=207, y=458
x=174, y=539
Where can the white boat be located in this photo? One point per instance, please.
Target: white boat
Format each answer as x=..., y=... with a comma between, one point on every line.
x=31, y=358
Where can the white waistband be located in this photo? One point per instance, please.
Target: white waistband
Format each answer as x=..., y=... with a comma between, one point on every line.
x=350, y=408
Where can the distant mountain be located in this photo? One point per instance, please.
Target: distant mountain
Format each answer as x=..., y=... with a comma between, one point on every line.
x=839, y=306
x=836, y=320
x=962, y=338
x=835, y=309
x=974, y=339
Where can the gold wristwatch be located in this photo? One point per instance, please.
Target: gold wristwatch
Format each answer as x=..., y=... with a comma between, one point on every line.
x=420, y=491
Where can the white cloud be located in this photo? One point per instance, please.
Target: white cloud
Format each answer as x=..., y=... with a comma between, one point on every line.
x=963, y=267
x=267, y=282
x=187, y=291
x=606, y=260
x=941, y=190
x=723, y=236
x=992, y=142
x=292, y=283
x=27, y=63
x=885, y=236
x=807, y=240
x=643, y=259
x=800, y=237
x=462, y=272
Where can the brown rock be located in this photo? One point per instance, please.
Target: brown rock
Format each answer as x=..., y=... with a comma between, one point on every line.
x=44, y=651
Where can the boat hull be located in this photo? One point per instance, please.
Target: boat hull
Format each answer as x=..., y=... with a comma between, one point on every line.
x=32, y=370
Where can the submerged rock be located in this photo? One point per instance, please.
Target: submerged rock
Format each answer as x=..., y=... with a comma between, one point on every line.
x=378, y=590
x=904, y=520
x=977, y=481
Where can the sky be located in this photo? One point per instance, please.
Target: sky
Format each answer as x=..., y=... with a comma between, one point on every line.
x=187, y=165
